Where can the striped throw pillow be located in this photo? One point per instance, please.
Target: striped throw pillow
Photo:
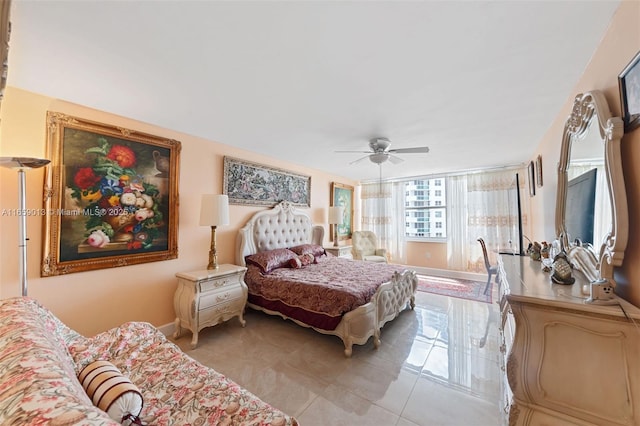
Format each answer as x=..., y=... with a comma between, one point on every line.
x=111, y=391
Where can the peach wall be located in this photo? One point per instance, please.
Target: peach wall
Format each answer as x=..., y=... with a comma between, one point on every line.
x=618, y=47
x=93, y=301
x=427, y=254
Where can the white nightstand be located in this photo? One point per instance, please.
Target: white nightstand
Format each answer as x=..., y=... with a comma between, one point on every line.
x=340, y=251
x=208, y=297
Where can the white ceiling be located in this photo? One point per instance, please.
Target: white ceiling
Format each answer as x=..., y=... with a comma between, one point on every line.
x=479, y=82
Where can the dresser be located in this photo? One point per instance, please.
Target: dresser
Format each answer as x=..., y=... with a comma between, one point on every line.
x=208, y=297
x=340, y=251
x=565, y=362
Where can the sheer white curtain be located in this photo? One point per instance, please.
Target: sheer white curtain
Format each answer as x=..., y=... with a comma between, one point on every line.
x=484, y=205
x=457, y=249
x=383, y=213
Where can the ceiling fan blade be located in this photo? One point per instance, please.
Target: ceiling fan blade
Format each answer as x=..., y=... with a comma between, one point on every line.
x=416, y=150
x=359, y=160
x=395, y=160
x=355, y=152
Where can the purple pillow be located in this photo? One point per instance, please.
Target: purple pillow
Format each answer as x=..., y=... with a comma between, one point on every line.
x=313, y=249
x=267, y=261
x=302, y=260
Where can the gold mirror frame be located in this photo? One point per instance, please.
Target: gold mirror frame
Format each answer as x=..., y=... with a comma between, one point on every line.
x=586, y=107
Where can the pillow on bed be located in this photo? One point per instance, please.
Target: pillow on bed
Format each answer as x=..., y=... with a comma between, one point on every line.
x=302, y=260
x=111, y=391
x=267, y=261
x=313, y=249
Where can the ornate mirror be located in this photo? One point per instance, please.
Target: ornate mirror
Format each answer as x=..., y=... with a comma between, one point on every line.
x=591, y=206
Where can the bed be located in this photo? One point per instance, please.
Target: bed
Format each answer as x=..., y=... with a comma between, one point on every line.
x=375, y=293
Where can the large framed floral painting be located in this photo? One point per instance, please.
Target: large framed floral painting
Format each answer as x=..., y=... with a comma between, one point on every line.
x=111, y=196
x=342, y=195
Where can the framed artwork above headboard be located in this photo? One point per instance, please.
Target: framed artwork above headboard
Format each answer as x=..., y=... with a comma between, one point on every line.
x=259, y=185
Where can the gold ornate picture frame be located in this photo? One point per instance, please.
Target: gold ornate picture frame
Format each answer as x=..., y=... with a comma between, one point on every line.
x=539, y=182
x=110, y=196
x=342, y=195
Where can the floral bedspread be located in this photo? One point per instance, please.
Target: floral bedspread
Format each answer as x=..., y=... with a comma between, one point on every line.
x=38, y=383
x=40, y=358
x=177, y=390
x=333, y=286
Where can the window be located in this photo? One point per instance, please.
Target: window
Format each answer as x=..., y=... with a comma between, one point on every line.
x=425, y=208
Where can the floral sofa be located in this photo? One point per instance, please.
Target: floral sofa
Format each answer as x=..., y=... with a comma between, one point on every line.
x=40, y=359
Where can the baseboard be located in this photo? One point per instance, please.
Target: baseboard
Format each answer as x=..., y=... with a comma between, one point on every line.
x=167, y=329
x=462, y=275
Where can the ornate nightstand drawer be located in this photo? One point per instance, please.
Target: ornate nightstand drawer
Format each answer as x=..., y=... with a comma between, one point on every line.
x=225, y=295
x=221, y=310
x=216, y=283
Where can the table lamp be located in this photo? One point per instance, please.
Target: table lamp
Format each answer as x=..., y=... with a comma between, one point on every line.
x=214, y=212
x=336, y=214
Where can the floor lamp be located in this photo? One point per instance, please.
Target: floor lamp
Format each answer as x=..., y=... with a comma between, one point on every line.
x=21, y=164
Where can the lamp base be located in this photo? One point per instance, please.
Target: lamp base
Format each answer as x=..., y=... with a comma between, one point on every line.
x=213, y=255
x=335, y=236
x=213, y=264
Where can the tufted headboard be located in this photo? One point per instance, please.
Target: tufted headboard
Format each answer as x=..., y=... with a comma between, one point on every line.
x=280, y=227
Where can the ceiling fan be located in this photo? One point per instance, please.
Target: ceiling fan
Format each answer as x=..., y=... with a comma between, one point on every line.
x=380, y=152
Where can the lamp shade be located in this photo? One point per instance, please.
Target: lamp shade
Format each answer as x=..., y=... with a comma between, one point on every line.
x=214, y=210
x=336, y=213
x=23, y=162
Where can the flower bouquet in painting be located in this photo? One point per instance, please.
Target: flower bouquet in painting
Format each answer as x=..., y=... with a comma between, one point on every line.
x=120, y=207
x=116, y=189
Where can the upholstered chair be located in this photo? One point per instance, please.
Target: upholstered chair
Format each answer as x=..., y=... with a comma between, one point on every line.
x=365, y=247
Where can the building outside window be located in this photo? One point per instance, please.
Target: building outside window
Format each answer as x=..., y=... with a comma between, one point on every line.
x=425, y=208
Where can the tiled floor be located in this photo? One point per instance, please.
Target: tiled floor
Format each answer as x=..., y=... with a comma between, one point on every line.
x=437, y=365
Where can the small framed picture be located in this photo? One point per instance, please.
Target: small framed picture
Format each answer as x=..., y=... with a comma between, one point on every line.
x=532, y=179
x=629, y=85
x=539, y=171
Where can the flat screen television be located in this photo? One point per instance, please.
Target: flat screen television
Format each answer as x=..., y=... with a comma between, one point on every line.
x=515, y=210
x=521, y=251
x=580, y=207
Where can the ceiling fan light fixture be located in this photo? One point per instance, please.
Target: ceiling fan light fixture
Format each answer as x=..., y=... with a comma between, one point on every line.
x=379, y=157
x=379, y=144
